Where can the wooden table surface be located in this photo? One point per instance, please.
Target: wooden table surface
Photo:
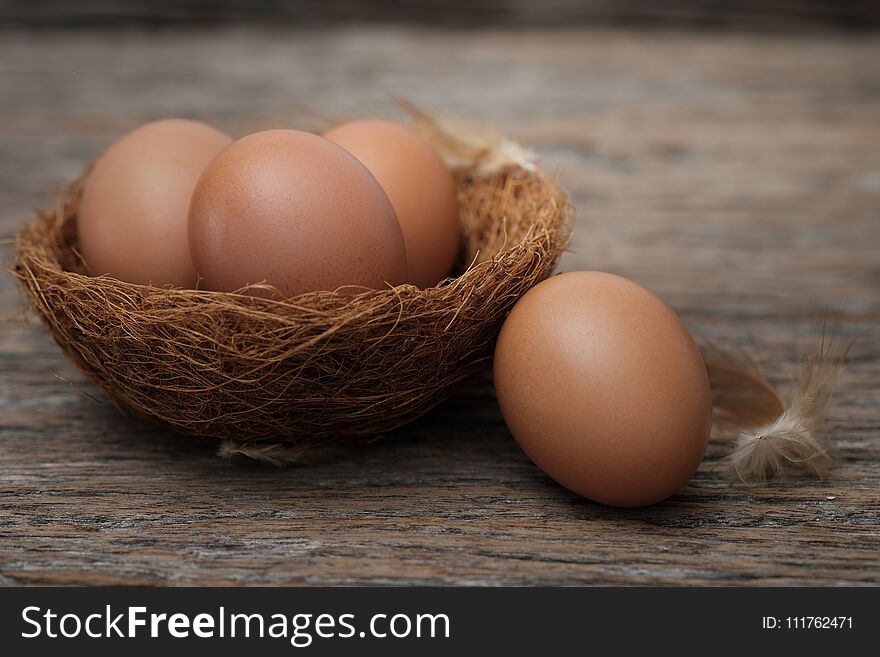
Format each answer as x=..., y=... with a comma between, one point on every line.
x=737, y=176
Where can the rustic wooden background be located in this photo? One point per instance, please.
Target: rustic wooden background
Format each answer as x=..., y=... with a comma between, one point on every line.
x=736, y=175
x=760, y=15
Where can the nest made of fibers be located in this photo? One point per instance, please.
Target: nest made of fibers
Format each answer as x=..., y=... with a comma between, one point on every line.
x=309, y=370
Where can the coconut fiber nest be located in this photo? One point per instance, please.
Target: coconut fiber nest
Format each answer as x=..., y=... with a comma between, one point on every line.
x=267, y=374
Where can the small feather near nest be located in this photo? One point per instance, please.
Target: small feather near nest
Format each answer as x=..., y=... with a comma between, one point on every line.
x=283, y=454
x=479, y=151
x=277, y=454
x=772, y=437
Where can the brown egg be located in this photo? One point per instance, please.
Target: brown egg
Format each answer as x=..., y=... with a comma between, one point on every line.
x=603, y=387
x=296, y=211
x=132, y=219
x=420, y=186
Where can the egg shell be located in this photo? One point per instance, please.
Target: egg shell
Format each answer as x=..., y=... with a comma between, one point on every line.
x=296, y=211
x=420, y=186
x=604, y=389
x=132, y=218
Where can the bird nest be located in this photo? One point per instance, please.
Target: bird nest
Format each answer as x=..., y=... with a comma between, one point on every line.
x=294, y=373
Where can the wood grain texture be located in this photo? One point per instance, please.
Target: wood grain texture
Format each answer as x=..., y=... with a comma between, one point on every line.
x=736, y=176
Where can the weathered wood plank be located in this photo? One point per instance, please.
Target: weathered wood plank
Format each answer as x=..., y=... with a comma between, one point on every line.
x=737, y=176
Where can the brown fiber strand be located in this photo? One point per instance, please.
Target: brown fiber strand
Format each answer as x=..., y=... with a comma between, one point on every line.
x=274, y=377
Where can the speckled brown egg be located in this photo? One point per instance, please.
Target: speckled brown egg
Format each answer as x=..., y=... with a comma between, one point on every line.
x=132, y=218
x=604, y=389
x=421, y=189
x=297, y=212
